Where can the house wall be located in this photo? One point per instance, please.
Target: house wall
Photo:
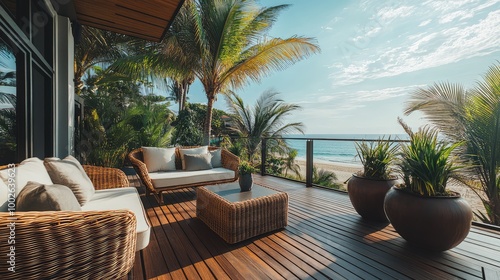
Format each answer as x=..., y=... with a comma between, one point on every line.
x=64, y=88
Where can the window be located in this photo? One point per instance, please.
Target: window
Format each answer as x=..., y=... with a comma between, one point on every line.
x=26, y=81
x=8, y=100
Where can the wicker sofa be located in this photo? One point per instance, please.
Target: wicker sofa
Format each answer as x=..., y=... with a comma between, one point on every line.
x=87, y=244
x=158, y=182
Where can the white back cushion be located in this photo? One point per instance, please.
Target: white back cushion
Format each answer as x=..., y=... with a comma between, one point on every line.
x=31, y=169
x=192, y=151
x=159, y=159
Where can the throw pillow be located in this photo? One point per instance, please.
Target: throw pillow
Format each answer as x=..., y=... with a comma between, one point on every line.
x=192, y=151
x=198, y=162
x=66, y=172
x=159, y=159
x=216, y=158
x=40, y=197
x=31, y=169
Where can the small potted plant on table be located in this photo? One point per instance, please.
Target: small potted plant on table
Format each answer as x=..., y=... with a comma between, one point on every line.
x=368, y=187
x=245, y=180
x=421, y=209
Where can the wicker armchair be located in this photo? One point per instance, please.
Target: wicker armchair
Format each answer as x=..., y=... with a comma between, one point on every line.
x=229, y=161
x=71, y=244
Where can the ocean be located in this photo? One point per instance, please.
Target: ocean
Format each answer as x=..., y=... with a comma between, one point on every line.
x=340, y=151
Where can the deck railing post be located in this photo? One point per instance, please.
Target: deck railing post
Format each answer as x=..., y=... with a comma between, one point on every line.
x=309, y=163
x=263, y=156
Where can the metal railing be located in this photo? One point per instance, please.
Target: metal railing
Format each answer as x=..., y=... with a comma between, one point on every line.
x=309, y=153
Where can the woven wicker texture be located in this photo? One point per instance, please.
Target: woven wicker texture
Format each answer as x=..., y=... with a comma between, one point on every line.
x=238, y=221
x=229, y=161
x=69, y=245
x=105, y=177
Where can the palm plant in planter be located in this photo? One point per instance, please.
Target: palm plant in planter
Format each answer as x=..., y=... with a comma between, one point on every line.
x=368, y=187
x=421, y=210
x=245, y=170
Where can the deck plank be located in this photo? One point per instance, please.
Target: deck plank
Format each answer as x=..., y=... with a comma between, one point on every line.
x=324, y=239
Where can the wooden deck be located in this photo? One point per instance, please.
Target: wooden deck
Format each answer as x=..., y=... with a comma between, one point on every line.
x=324, y=239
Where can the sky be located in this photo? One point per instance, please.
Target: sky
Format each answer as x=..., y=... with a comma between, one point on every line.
x=374, y=54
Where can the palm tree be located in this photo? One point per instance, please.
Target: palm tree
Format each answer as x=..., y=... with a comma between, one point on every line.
x=265, y=119
x=223, y=43
x=471, y=116
x=233, y=50
x=98, y=46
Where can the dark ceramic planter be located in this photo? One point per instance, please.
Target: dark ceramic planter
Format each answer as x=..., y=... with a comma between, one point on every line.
x=367, y=196
x=245, y=182
x=431, y=223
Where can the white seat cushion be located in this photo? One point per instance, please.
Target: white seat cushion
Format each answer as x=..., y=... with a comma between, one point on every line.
x=181, y=177
x=123, y=198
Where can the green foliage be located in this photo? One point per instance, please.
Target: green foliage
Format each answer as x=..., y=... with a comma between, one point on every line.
x=376, y=158
x=151, y=122
x=8, y=130
x=473, y=117
x=186, y=132
x=236, y=147
x=200, y=113
x=246, y=168
x=325, y=178
x=427, y=164
x=117, y=119
x=274, y=165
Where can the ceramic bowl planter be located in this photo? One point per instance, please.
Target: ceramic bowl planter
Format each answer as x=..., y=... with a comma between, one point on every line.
x=367, y=196
x=368, y=187
x=435, y=223
x=420, y=209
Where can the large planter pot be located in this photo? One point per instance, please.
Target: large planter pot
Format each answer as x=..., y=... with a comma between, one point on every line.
x=245, y=182
x=367, y=196
x=431, y=223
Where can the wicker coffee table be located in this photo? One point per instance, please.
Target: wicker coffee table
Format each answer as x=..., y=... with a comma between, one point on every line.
x=236, y=216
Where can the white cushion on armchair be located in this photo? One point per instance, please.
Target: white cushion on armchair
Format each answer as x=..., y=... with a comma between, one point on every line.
x=123, y=198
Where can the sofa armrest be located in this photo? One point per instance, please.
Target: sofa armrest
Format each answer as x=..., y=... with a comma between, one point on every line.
x=105, y=177
x=140, y=168
x=230, y=161
x=55, y=244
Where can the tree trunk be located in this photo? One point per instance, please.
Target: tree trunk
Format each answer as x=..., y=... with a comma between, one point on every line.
x=208, y=120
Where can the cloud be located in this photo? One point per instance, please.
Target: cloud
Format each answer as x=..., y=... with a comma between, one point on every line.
x=389, y=13
x=418, y=49
x=351, y=100
x=425, y=22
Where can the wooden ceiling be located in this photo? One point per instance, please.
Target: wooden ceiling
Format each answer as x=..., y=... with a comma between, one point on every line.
x=146, y=19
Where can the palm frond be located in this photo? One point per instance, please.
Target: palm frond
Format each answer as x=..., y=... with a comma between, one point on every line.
x=273, y=55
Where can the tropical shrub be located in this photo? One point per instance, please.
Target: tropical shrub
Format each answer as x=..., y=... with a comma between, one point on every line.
x=325, y=178
x=473, y=117
x=376, y=158
x=246, y=168
x=426, y=164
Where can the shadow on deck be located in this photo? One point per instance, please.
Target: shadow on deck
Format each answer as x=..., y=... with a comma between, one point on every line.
x=324, y=239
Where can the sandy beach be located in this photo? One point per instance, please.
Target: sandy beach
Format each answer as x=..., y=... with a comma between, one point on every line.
x=345, y=170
